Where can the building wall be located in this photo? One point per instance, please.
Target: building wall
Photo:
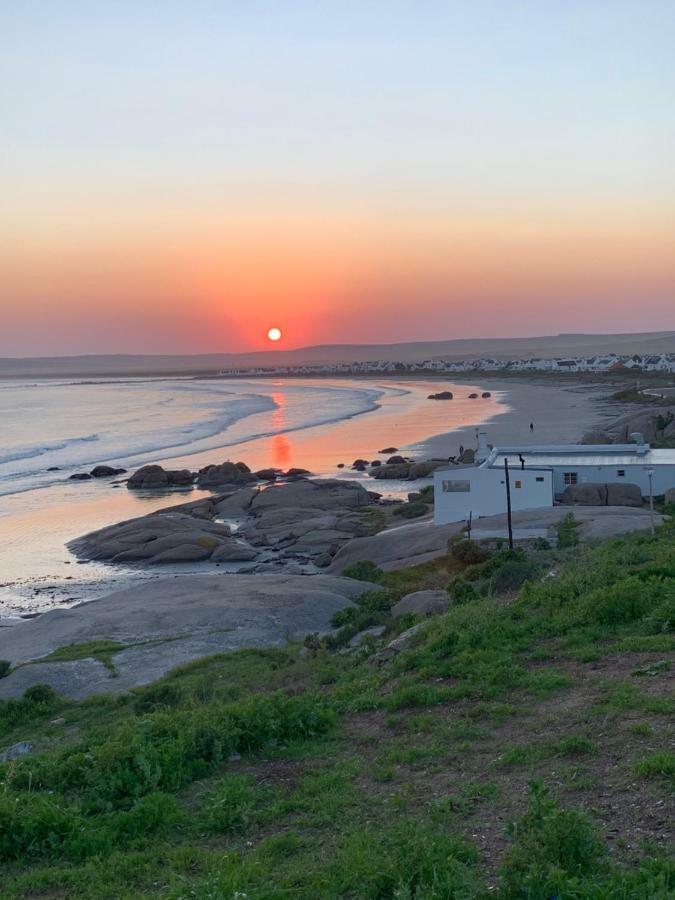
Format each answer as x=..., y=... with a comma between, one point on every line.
x=486, y=494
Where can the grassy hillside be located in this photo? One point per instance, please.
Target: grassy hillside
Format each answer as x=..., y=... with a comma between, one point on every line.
x=519, y=746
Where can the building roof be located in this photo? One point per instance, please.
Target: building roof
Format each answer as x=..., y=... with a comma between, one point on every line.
x=543, y=456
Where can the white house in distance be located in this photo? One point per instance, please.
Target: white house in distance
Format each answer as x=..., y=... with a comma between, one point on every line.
x=538, y=473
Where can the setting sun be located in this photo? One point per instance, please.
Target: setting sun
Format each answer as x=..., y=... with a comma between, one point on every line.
x=274, y=334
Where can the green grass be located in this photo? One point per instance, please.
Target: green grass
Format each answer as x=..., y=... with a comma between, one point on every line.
x=270, y=774
x=660, y=764
x=103, y=651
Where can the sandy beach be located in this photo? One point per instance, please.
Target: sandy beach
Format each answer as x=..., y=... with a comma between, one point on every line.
x=38, y=572
x=560, y=414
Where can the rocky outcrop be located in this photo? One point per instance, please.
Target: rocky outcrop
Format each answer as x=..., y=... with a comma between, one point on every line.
x=266, y=474
x=156, y=478
x=304, y=521
x=80, y=476
x=422, y=603
x=236, y=504
x=327, y=493
x=160, y=538
x=404, y=640
x=624, y=495
x=473, y=396
x=168, y=622
x=407, y=470
x=442, y=395
x=392, y=470
x=106, y=471
x=225, y=473
x=426, y=467
x=610, y=494
x=651, y=423
x=486, y=394
x=596, y=437
x=396, y=548
x=389, y=450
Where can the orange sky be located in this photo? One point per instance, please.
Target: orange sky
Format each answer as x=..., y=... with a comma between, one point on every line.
x=346, y=175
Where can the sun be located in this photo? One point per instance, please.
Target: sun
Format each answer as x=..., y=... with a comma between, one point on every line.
x=274, y=334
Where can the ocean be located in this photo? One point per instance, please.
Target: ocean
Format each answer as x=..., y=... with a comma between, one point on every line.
x=52, y=429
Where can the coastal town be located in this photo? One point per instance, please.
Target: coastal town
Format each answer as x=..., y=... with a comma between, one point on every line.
x=663, y=362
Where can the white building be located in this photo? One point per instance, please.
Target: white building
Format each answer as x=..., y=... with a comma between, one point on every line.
x=540, y=473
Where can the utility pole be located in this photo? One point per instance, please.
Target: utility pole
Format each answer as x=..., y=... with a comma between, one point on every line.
x=508, y=501
x=650, y=475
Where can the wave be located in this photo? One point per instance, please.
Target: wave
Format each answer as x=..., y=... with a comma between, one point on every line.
x=37, y=450
x=127, y=443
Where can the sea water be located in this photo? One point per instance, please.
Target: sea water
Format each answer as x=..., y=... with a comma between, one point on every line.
x=52, y=429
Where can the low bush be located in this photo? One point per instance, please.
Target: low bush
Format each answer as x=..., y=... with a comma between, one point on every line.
x=567, y=531
x=37, y=701
x=551, y=849
x=660, y=764
x=411, y=510
x=626, y=601
x=157, y=697
x=462, y=591
x=234, y=805
x=468, y=553
x=363, y=570
x=167, y=750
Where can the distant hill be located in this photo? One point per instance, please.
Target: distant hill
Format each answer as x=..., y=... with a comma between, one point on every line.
x=469, y=348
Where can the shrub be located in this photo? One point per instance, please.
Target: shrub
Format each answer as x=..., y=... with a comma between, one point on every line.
x=660, y=764
x=371, y=608
x=363, y=570
x=161, y=696
x=167, y=750
x=36, y=701
x=427, y=494
x=36, y=823
x=512, y=575
x=155, y=814
x=550, y=847
x=462, y=591
x=233, y=805
x=567, y=531
x=626, y=601
x=408, y=860
x=40, y=695
x=411, y=510
x=468, y=552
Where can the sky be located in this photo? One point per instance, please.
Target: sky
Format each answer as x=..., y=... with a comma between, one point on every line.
x=179, y=177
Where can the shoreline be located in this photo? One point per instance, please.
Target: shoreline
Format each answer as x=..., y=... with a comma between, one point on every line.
x=564, y=418
x=564, y=413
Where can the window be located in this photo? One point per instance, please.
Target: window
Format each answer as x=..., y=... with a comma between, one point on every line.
x=620, y=473
x=519, y=484
x=540, y=478
x=452, y=487
x=570, y=477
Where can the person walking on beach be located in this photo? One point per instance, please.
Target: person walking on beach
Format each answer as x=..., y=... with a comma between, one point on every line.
x=531, y=427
